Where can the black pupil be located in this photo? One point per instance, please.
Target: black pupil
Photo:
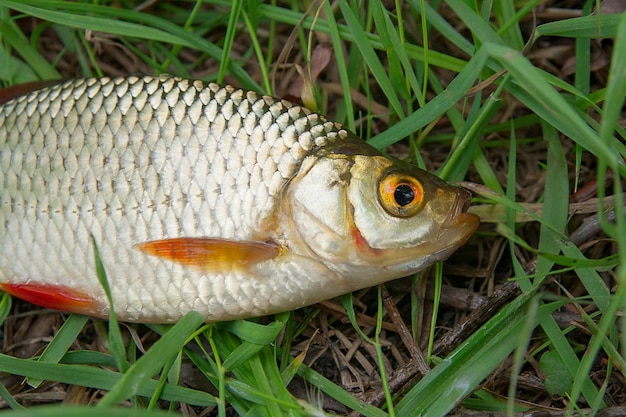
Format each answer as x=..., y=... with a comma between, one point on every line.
x=404, y=195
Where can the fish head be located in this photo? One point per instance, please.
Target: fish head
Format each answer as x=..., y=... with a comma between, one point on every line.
x=370, y=218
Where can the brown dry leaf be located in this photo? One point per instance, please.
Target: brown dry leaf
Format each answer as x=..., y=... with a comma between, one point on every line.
x=612, y=6
x=302, y=87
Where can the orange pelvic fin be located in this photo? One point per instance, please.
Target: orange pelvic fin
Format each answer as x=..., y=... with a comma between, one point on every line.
x=15, y=91
x=211, y=254
x=54, y=297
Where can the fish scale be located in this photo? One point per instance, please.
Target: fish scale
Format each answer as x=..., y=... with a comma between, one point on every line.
x=203, y=198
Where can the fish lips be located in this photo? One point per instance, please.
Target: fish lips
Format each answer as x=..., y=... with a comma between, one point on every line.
x=458, y=227
x=458, y=217
x=454, y=232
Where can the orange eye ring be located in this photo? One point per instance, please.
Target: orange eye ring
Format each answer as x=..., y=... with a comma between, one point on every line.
x=401, y=195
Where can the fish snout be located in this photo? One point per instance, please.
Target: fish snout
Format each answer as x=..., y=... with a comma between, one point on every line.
x=458, y=217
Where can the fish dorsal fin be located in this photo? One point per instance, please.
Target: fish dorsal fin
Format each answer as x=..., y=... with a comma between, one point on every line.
x=15, y=91
x=212, y=254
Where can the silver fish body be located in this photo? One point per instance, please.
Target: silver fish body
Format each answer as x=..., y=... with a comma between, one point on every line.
x=202, y=198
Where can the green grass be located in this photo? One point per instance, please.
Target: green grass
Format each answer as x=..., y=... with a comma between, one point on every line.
x=379, y=53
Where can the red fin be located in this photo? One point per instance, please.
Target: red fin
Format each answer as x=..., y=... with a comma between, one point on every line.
x=212, y=254
x=54, y=297
x=15, y=91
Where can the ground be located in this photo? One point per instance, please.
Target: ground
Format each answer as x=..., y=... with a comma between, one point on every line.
x=530, y=306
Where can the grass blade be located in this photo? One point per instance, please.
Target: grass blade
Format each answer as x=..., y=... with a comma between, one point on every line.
x=62, y=341
x=89, y=376
x=372, y=61
x=81, y=411
x=591, y=27
x=153, y=360
x=37, y=64
x=454, y=378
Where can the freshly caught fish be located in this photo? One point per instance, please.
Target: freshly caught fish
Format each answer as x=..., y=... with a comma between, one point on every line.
x=204, y=198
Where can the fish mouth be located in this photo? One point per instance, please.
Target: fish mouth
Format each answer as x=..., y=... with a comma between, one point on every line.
x=459, y=225
x=453, y=233
x=458, y=217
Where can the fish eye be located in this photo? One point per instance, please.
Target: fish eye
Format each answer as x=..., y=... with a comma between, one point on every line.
x=400, y=194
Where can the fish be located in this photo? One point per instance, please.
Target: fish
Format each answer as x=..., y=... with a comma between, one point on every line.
x=206, y=198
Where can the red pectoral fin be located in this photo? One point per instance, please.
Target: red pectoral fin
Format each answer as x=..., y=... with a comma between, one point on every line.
x=54, y=297
x=211, y=254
